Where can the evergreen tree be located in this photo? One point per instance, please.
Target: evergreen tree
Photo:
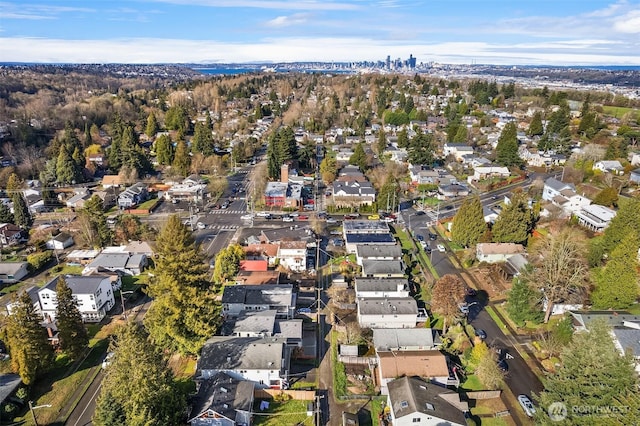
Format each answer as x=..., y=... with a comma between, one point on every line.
x=626, y=221
x=507, y=148
x=152, y=125
x=535, y=127
x=182, y=160
x=71, y=330
x=273, y=166
x=523, y=303
x=202, y=140
x=592, y=374
x=93, y=223
x=617, y=282
x=185, y=312
x=177, y=119
x=403, y=138
x=66, y=168
x=139, y=387
x=88, y=139
x=559, y=119
x=607, y=197
x=31, y=352
x=382, y=141
x=421, y=148
x=468, y=224
x=21, y=215
x=5, y=214
x=516, y=221
x=227, y=264
x=461, y=135
x=359, y=158
x=164, y=150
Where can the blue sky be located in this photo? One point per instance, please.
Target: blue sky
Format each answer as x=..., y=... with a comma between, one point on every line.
x=554, y=32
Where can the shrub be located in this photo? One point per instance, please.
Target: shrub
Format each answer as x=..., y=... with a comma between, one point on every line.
x=38, y=260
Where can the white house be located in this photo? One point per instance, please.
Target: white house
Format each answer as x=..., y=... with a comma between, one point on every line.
x=377, y=252
x=60, y=241
x=497, y=252
x=397, y=312
x=610, y=166
x=413, y=401
x=458, y=150
x=595, y=217
x=293, y=255
x=367, y=288
x=94, y=296
x=486, y=172
x=553, y=187
x=405, y=339
x=262, y=361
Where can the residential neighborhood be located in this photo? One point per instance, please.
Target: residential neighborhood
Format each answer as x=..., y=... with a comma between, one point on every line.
x=358, y=249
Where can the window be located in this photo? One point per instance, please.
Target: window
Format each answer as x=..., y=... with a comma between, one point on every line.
x=417, y=419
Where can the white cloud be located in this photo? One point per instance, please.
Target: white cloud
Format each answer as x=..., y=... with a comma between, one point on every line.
x=628, y=23
x=35, y=11
x=287, y=21
x=267, y=4
x=308, y=49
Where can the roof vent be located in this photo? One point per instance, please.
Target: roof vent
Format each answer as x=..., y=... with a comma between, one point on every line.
x=223, y=390
x=430, y=406
x=228, y=359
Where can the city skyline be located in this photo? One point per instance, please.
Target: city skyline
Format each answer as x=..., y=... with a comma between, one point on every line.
x=590, y=32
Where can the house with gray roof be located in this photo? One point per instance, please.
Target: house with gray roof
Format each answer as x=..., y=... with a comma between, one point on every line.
x=553, y=187
x=377, y=252
x=12, y=272
x=222, y=400
x=94, y=296
x=9, y=382
x=405, y=339
x=126, y=263
x=132, y=196
x=264, y=361
x=265, y=324
x=396, y=312
x=352, y=241
x=383, y=268
x=413, y=401
x=240, y=298
x=381, y=287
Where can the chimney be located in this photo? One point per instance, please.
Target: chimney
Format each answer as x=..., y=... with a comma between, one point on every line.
x=284, y=173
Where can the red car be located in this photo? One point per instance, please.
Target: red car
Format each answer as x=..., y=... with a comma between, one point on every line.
x=303, y=217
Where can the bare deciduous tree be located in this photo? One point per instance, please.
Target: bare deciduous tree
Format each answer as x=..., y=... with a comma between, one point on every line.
x=448, y=292
x=559, y=267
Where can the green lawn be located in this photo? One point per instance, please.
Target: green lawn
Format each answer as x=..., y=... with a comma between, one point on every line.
x=292, y=412
x=497, y=320
x=472, y=383
x=619, y=112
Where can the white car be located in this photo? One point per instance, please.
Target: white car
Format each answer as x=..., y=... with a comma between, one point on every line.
x=246, y=217
x=201, y=225
x=107, y=359
x=441, y=248
x=263, y=214
x=287, y=219
x=527, y=405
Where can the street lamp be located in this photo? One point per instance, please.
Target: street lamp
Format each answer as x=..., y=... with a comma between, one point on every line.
x=33, y=413
x=122, y=293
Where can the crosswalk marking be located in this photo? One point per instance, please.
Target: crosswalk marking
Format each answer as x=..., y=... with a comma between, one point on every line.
x=227, y=211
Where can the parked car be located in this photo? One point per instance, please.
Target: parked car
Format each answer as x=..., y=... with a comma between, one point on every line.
x=441, y=248
x=373, y=217
x=331, y=220
x=107, y=359
x=246, y=217
x=527, y=405
x=420, y=213
x=424, y=245
x=303, y=217
x=201, y=225
x=419, y=237
x=433, y=237
x=263, y=214
x=503, y=366
x=481, y=333
x=294, y=214
x=287, y=219
x=338, y=242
